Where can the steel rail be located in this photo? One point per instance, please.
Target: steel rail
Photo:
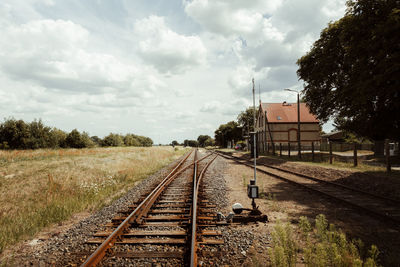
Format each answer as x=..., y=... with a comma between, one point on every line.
x=322, y=181
x=379, y=215
x=100, y=252
x=140, y=211
x=196, y=186
x=144, y=210
x=193, y=219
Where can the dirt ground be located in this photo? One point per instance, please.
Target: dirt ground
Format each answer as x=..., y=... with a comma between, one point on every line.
x=285, y=202
x=373, y=182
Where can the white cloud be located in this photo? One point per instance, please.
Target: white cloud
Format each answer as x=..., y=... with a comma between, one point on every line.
x=56, y=54
x=81, y=64
x=212, y=107
x=267, y=37
x=227, y=17
x=165, y=49
x=230, y=109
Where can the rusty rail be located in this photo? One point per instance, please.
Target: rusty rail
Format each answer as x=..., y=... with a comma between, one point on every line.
x=140, y=211
x=100, y=252
x=196, y=186
x=392, y=217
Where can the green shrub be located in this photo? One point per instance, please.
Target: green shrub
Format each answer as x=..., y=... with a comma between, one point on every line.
x=305, y=225
x=284, y=250
x=333, y=249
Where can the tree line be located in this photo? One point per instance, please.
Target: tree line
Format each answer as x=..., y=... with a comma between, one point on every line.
x=231, y=131
x=235, y=130
x=17, y=134
x=202, y=141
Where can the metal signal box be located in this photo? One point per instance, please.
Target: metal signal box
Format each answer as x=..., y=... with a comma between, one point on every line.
x=252, y=190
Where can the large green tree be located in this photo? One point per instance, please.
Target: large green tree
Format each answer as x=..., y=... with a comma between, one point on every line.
x=228, y=132
x=352, y=71
x=204, y=140
x=246, y=119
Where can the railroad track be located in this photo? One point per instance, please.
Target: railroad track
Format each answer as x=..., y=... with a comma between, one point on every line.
x=383, y=208
x=167, y=225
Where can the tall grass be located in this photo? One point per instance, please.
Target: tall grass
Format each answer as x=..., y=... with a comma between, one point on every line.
x=320, y=245
x=39, y=188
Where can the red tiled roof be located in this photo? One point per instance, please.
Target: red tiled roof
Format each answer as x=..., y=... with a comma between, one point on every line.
x=287, y=112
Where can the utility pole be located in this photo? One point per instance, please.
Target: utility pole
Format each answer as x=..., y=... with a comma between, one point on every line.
x=254, y=136
x=298, y=125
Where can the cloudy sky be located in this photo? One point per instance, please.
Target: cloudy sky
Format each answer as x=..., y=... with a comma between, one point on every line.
x=165, y=69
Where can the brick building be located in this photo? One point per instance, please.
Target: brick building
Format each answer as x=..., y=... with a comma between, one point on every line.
x=277, y=123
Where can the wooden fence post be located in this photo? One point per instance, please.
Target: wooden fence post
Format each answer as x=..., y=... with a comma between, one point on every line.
x=321, y=155
x=280, y=149
x=330, y=153
x=289, y=149
x=299, y=152
x=355, y=155
x=312, y=151
x=387, y=152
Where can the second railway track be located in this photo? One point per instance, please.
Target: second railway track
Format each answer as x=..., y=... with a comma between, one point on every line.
x=380, y=207
x=166, y=226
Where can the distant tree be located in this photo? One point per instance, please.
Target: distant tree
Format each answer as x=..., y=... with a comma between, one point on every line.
x=209, y=142
x=186, y=142
x=193, y=143
x=352, y=71
x=57, y=138
x=15, y=133
x=74, y=139
x=174, y=143
x=228, y=132
x=131, y=140
x=39, y=135
x=144, y=141
x=20, y=135
x=96, y=140
x=202, y=139
x=113, y=140
x=4, y=145
x=87, y=141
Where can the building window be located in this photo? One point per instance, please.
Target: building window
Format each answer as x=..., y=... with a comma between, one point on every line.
x=279, y=118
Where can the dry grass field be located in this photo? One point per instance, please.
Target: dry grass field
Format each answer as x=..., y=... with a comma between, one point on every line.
x=42, y=187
